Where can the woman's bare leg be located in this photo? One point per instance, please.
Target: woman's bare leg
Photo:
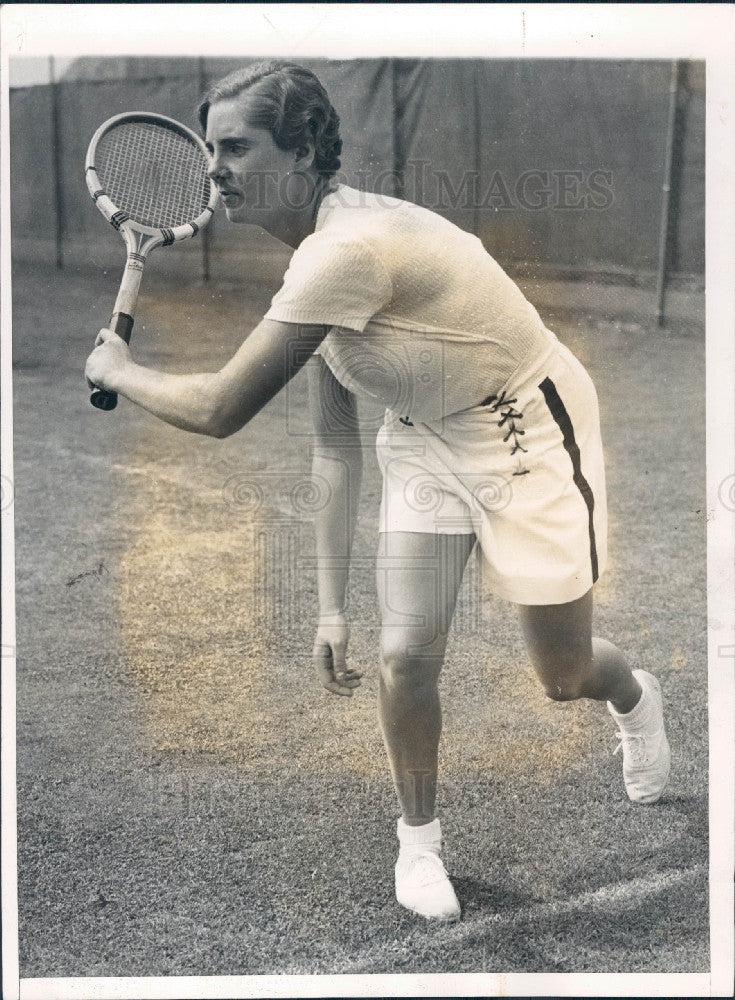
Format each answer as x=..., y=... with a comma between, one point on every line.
x=572, y=664
x=418, y=578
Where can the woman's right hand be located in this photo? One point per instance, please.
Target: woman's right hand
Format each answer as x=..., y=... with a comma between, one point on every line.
x=107, y=361
x=329, y=656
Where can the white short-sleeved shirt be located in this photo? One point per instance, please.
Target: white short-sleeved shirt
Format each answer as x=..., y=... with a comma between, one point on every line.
x=423, y=320
x=491, y=425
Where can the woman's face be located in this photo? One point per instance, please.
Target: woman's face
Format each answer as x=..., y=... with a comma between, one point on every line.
x=251, y=173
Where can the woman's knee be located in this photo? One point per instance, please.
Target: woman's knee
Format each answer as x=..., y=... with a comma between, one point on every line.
x=559, y=643
x=564, y=687
x=405, y=666
x=565, y=674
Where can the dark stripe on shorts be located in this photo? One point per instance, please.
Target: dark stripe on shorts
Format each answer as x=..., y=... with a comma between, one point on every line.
x=560, y=415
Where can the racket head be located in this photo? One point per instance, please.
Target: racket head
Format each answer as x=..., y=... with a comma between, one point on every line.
x=147, y=174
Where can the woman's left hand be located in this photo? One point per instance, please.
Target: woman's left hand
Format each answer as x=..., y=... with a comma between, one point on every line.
x=330, y=650
x=105, y=364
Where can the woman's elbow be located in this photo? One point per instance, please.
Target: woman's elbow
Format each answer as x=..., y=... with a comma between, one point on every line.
x=219, y=431
x=221, y=425
x=221, y=417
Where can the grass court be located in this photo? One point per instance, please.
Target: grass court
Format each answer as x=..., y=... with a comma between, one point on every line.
x=191, y=802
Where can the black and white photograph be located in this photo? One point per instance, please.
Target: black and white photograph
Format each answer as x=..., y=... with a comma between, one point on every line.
x=367, y=500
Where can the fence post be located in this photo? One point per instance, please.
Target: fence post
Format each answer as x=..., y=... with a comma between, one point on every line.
x=477, y=128
x=397, y=137
x=56, y=151
x=663, y=242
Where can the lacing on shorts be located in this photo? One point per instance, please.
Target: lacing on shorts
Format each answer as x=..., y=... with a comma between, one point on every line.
x=509, y=416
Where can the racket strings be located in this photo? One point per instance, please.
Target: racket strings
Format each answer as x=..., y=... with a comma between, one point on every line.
x=153, y=173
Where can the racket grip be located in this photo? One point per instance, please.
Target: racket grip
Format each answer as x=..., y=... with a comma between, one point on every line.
x=122, y=325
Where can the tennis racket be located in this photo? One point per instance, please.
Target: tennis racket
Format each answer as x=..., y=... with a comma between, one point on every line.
x=148, y=176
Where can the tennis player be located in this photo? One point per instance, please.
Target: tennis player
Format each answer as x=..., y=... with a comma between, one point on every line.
x=491, y=437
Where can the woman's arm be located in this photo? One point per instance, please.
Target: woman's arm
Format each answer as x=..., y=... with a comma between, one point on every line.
x=337, y=463
x=213, y=403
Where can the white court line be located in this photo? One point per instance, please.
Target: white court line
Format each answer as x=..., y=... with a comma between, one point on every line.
x=612, y=900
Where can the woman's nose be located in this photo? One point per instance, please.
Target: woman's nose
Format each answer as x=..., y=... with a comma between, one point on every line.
x=216, y=168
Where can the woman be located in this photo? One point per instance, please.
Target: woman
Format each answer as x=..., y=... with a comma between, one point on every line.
x=491, y=435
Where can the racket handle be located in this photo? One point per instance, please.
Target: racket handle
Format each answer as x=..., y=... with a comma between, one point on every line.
x=122, y=325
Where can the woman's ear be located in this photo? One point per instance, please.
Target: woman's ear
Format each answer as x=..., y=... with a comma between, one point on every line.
x=304, y=156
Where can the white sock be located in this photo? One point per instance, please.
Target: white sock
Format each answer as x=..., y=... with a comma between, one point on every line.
x=639, y=716
x=417, y=839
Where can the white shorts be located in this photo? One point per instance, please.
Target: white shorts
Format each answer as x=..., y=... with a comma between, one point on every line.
x=523, y=471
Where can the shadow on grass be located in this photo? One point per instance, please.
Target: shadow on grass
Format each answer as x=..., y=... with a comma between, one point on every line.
x=479, y=898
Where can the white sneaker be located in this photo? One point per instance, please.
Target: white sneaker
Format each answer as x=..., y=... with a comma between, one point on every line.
x=646, y=752
x=423, y=886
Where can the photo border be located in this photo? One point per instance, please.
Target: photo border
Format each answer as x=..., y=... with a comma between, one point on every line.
x=590, y=31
